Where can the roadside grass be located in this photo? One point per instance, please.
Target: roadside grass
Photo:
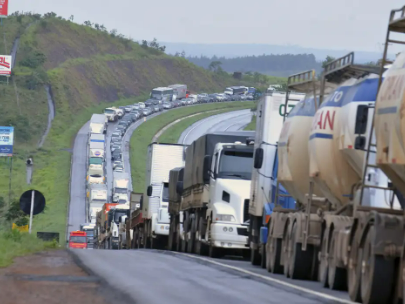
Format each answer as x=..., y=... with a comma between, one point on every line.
x=143, y=135
x=14, y=243
x=51, y=171
x=252, y=125
x=172, y=134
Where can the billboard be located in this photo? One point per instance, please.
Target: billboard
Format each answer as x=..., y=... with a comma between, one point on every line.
x=6, y=141
x=3, y=8
x=5, y=64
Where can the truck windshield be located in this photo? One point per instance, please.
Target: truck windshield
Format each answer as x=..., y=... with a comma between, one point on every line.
x=118, y=214
x=109, y=111
x=165, y=194
x=156, y=94
x=89, y=232
x=121, y=190
x=78, y=239
x=236, y=164
x=96, y=161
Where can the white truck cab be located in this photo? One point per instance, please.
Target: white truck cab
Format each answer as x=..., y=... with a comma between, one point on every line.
x=120, y=212
x=120, y=192
x=161, y=219
x=95, y=175
x=230, y=179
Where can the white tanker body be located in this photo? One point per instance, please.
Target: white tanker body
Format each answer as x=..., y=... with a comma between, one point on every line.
x=335, y=167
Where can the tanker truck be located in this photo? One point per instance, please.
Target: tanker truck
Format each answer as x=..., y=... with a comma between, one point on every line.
x=215, y=195
x=326, y=238
x=269, y=121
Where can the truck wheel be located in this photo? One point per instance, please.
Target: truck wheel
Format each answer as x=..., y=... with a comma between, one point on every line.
x=254, y=257
x=214, y=252
x=378, y=274
x=354, y=269
x=263, y=256
x=301, y=261
x=191, y=241
x=323, y=263
x=336, y=275
x=178, y=238
x=274, y=255
x=200, y=247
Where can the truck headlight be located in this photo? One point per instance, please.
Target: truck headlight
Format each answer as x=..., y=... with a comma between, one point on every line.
x=225, y=218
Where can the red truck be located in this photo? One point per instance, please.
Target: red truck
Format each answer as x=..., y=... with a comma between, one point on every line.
x=78, y=239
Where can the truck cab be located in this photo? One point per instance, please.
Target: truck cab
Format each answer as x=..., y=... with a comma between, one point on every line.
x=120, y=192
x=78, y=240
x=161, y=219
x=89, y=229
x=114, y=216
x=95, y=175
x=229, y=172
x=111, y=114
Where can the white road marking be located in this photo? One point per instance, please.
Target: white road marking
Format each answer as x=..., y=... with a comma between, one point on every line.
x=303, y=289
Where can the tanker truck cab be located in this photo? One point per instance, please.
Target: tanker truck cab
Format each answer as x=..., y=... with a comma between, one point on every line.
x=111, y=114
x=161, y=219
x=229, y=173
x=114, y=216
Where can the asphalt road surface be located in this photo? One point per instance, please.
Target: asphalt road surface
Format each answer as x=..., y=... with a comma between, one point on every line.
x=152, y=276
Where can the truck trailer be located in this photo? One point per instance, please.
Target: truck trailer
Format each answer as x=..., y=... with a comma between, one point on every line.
x=151, y=223
x=96, y=197
x=179, y=91
x=98, y=124
x=97, y=149
x=215, y=194
x=120, y=191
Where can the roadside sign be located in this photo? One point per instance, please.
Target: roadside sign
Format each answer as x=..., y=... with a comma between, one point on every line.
x=5, y=64
x=25, y=202
x=6, y=141
x=3, y=8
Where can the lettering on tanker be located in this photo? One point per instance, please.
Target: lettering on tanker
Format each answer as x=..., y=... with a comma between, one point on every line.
x=393, y=88
x=324, y=120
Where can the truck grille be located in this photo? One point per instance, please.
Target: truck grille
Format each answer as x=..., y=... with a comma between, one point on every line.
x=246, y=210
x=242, y=231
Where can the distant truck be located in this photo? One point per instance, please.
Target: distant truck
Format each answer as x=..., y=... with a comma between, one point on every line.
x=120, y=189
x=151, y=223
x=96, y=198
x=179, y=91
x=111, y=114
x=97, y=149
x=110, y=217
x=95, y=175
x=215, y=195
x=269, y=122
x=162, y=93
x=89, y=229
x=78, y=240
x=97, y=138
x=98, y=124
x=102, y=226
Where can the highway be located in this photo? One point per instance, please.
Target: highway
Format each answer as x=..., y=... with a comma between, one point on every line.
x=154, y=276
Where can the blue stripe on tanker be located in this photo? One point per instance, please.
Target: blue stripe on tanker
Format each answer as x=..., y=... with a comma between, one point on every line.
x=321, y=135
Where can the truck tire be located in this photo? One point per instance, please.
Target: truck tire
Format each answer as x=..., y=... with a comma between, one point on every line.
x=200, y=247
x=354, y=272
x=263, y=255
x=255, y=257
x=178, y=238
x=336, y=275
x=273, y=256
x=191, y=241
x=215, y=252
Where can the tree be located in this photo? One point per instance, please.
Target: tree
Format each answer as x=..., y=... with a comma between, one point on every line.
x=113, y=32
x=88, y=23
x=327, y=60
x=144, y=44
x=97, y=26
x=103, y=28
x=71, y=17
x=215, y=66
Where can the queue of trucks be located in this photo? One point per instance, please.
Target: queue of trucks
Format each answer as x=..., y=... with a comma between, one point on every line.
x=315, y=194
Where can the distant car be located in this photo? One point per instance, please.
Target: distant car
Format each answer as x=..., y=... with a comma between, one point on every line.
x=121, y=129
x=189, y=101
x=167, y=105
x=136, y=106
x=128, y=109
x=119, y=169
x=142, y=105
x=114, y=146
x=116, y=134
x=156, y=109
x=116, y=155
x=149, y=103
x=117, y=163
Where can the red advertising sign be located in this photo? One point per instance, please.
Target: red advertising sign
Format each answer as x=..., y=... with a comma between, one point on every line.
x=3, y=8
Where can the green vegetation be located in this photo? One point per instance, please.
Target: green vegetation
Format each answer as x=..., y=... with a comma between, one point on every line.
x=143, y=135
x=14, y=243
x=252, y=125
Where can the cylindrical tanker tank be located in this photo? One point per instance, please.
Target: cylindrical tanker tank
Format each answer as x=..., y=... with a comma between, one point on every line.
x=390, y=124
x=293, y=170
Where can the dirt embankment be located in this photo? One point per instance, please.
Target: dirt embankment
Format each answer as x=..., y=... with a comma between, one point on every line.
x=52, y=277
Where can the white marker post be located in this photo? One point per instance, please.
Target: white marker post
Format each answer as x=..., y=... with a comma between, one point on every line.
x=32, y=209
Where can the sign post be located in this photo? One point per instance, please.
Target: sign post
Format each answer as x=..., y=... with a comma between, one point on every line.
x=32, y=209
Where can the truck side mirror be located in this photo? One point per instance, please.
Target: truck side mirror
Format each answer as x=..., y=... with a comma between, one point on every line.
x=258, y=161
x=179, y=188
x=149, y=190
x=360, y=142
x=206, y=168
x=361, y=119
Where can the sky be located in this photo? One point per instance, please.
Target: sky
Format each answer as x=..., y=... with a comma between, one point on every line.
x=345, y=24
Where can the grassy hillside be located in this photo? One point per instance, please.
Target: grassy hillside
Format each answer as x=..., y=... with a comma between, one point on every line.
x=87, y=70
